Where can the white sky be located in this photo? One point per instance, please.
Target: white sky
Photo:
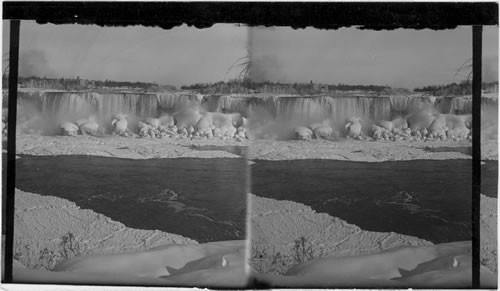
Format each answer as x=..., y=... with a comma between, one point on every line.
x=185, y=55
x=399, y=58
x=179, y=56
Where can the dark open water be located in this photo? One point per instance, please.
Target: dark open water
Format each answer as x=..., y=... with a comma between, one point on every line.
x=204, y=199
x=489, y=178
x=427, y=199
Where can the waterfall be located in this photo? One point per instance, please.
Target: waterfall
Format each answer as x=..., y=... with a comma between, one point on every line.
x=266, y=105
x=338, y=109
x=462, y=104
x=58, y=106
x=63, y=106
x=304, y=110
x=28, y=105
x=171, y=102
x=403, y=105
x=233, y=104
x=381, y=109
x=211, y=102
x=455, y=105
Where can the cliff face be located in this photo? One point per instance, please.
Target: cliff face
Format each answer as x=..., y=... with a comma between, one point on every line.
x=48, y=230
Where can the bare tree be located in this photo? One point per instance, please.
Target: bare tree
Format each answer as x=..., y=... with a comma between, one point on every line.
x=244, y=64
x=467, y=65
x=5, y=60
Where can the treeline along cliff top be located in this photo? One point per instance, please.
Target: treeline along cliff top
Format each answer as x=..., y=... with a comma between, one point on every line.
x=246, y=87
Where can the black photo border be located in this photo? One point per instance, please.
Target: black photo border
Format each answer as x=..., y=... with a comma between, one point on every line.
x=298, y=15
